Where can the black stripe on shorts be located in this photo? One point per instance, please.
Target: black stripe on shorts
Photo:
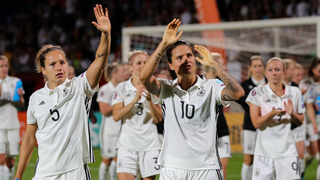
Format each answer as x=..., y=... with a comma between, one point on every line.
x=86, y=170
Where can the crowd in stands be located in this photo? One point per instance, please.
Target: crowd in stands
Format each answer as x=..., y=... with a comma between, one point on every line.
x=25, y=25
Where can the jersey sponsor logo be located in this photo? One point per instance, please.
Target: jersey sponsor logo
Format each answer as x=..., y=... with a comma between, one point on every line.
x=201, y=93
x=115, y=95
x=42, y=103
x=253, y=92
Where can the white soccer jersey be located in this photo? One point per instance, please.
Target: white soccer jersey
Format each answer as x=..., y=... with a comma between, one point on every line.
x=190, y=124
x=109, y=126
x=312, y=96
x=276, y=140
x=8, y=113
x=63, y=129
x=138, y=131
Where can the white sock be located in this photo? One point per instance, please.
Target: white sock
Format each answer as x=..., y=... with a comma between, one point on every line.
x=113, y=170
x=2, y=171
x=301, y=165
x=103, y=171
x=246, y=172
x=318, y=171
x=8, y=173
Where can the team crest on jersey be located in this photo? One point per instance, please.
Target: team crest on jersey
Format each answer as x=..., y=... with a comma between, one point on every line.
x=303, y=106
x=82, y=75
x=101, y=94
x=253, y=92
x=201, y=93
x=257, y=172
x=115, y=95
x=65, y=92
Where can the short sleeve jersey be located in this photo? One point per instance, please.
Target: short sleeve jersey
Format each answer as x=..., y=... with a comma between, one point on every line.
x=109, y=126
x=275, y=140
x=190, y=124
x=312, y=95
x=138, y=131
x=63, y=135
x=8, y=112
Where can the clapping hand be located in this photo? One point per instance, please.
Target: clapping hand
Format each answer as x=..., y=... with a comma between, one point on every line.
x=103, y=23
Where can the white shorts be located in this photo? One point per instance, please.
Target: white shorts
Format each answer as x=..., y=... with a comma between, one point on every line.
x=179, y=174
x=108, y=146
x=81, y=173
x=160, y=136
x=9, y=142
x=131, y=161
x=298, y=134
x=278, y=169
x=248, y=141
x=224, y=147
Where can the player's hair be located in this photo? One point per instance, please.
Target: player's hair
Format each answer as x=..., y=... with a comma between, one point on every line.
x=109, y=69
x=134, y=53
x=253, y=58
x=41, y=55
x=299, y=66
x=287, y=62
x=3, y=57
x=172, y=47
x=314, y=63
x=277, y=59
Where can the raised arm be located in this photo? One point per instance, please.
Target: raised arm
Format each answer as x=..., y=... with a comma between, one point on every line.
x=170, y=37
x=233, y=90
x=27, y=146
x=95, y=70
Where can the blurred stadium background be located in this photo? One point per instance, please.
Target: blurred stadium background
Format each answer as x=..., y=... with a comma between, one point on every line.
x=235, y=28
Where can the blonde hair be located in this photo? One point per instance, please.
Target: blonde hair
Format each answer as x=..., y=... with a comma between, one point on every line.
x=109, y=69
x=298, y=66
x=287, y=62
x=3, y=57
x=133, y=54
x=41, y=55
x=252, y=58
x=277, y=59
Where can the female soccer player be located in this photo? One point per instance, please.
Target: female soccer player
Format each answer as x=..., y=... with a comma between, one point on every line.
x=189, y=149
x=11, y=95
x=109, y=130
x=312, y=97
x=256, y=78
x=224, y=147
x=57, y=116
x=272, y=109
x=138, y=144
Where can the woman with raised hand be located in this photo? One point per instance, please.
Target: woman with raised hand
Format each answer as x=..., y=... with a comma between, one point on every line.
x=57, y=116
x=138, y=143
x=189, y=149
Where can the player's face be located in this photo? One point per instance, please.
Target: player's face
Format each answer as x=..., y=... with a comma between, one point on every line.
x=137, y=64
x=71, y=73
x=256, y=68
x=56, y=68
x=4, y=68
x=183, y=61
x=298, y=75
x=290, y=71
x=274, y=72
x=120, y=74
x=316, y=73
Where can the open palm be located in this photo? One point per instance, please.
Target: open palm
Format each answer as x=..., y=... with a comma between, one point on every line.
x=103, y=23
x=170, y=34
x=205, y=53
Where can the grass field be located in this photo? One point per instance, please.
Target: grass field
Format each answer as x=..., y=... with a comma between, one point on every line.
x=234, y=167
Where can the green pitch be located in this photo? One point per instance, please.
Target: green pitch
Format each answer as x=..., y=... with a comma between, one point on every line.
x=234, y=167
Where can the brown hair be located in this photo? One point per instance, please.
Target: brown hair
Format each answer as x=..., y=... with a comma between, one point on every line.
x=41, y=55
x=314, y=63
